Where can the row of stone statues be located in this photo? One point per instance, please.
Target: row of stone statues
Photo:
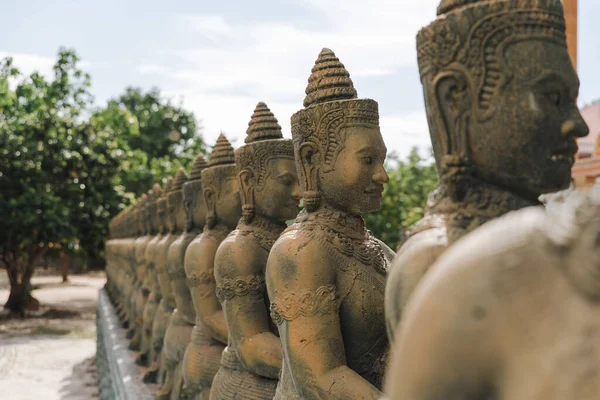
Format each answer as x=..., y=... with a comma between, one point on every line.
x=224, y=300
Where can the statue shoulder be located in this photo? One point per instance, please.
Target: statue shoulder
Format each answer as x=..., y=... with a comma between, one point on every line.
x=410, y=265
x=199, y=255
x=239, y=255
x=299, y=259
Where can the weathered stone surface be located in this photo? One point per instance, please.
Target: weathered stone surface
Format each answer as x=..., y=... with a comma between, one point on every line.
x=119, y=378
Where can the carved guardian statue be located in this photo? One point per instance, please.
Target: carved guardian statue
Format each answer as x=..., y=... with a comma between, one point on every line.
x=500, y=94
x=326, y=273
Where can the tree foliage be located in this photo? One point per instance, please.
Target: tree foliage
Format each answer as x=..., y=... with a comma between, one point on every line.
x=404, y=198
x=157, y=136
x=66, y=168
x=56, y=169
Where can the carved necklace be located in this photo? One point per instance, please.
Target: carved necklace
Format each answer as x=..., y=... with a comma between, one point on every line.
x=481, y=203
x=264, y=231
x=347, y=234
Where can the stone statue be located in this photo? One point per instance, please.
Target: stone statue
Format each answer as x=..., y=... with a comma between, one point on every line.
x=125, y=265
x=167, y=301
x=129, y=264
x=500, y=94
x=219, y=193
x=141, y=297
x=151, y=281
x=138, y=294
x=178, y=332
x=511, y=311
x=268, y=181
x=326, y=273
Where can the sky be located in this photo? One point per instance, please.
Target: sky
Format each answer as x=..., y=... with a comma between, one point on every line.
x=219, y=58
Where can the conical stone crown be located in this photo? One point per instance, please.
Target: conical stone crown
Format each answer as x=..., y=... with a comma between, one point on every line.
x=329, y=81
x=222, y=153
x=263, y=125
x=156, y=191
x=180, y=179
x=197, y=167
x=450, y=5
x=168, y=185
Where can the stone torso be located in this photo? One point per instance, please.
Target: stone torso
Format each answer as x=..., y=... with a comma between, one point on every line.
x=200, y=267
x=175, y=265
x=162, y=274
x=255, y=242
x=550, y=343
x=445, y=222
x=361, y=262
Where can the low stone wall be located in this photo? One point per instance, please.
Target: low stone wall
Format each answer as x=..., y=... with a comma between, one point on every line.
x=119, y=378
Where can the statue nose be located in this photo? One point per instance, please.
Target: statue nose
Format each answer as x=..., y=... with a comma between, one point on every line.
x=575, y=126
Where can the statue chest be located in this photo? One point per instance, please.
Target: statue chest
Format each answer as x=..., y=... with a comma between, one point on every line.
x=360, y=288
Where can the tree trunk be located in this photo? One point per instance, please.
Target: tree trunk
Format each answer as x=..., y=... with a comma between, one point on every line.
x=20, y=298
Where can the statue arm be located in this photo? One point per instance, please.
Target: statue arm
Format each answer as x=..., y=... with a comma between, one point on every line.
x=208, y=308
x=446, y=345
x=241, y=290
x=305, y=305
x=409, y=267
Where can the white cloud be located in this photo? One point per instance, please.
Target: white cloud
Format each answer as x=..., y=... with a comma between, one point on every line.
x=233, y=66
x=28, y=63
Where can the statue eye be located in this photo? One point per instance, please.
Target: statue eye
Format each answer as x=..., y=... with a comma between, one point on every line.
x=286, y=181
x=554, y=97
x=367, y=160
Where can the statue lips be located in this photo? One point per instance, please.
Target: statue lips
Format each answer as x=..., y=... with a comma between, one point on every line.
x=375, y=192
x=566, y=153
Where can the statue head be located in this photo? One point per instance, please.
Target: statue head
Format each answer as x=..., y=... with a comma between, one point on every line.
x=337, y=142
x=175, y=201
x=500, y=94
x=140, y=214
x=266, y=170
x=220, y=186
x=161, y=209
x=193, y=199
x=152, y=208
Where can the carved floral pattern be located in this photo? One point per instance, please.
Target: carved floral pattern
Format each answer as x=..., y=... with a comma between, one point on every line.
x=240, y=286
x=306, y=303
x=195, y=280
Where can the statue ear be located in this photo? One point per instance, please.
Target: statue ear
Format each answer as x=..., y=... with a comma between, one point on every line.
x=246, y=179
x=210, y=197
x=308, y=161
x=454, y=101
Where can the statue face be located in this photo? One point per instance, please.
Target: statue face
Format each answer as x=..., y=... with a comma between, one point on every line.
x=356, y=183
x=180, y=214
x=279, y=198
x=199, y=213
x=229, y=205
x=529, y=143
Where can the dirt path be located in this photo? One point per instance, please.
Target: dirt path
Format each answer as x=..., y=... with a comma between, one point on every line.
x=50, y=355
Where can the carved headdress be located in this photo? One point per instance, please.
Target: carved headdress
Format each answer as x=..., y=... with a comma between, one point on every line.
x=470, y=37
x=175, y=195
x=140, y=214
x=264, y=142
x=192, y=189
x=221, y=166
x=151, y=210
x=330, y=106
x=161, y=205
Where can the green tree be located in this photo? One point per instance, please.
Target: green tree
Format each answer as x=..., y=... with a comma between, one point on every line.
x=57, y=170
x=157, y=136
x=404, y=198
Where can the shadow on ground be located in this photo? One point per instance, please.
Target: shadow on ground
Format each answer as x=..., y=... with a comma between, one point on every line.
x=82, y=384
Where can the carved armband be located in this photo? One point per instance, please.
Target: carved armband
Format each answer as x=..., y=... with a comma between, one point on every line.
x=195, y=280
x=307, y=303
x=240, y=286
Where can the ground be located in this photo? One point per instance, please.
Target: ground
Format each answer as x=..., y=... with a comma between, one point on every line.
x=51, y=354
